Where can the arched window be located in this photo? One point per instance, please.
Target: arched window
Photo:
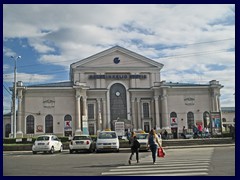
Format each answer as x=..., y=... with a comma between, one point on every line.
x=173, y=118
x=67, y=125
x=190, y=120
x=7, y=130
x=67, y=117
x=118, y=103
x=173, y=114
x=206, y=119
x=30, y=124
x=49, y=124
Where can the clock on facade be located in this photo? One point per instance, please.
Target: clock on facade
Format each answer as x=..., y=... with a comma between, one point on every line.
x=117, y=93
x=116, y=60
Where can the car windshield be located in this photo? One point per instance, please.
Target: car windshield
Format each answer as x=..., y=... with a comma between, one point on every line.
x=43, y=138
x=81, y=138
x=107, y=135
x=141, y=136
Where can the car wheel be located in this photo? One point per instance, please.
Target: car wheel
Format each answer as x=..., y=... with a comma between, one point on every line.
x=70, y=151
x=91, y=150
x=117, y=150
x=61, y=149
x=34, y=152
x=52, y=150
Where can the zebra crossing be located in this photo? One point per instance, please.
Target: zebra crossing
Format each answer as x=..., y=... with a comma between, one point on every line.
x=177, y=162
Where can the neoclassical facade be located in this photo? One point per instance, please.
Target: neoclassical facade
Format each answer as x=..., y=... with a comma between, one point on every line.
x=115, y=85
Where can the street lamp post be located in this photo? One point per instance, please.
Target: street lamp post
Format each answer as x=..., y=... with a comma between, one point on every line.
x=14, y=95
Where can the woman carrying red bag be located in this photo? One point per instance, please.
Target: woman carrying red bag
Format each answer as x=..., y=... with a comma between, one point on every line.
x=153, y=142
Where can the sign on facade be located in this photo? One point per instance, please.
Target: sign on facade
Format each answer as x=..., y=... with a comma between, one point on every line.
x=216, y=122
x=120, y=128
x=174, y=122
x=39, y=128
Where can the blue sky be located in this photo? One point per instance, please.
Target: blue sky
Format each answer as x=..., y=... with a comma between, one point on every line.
x=195, y=42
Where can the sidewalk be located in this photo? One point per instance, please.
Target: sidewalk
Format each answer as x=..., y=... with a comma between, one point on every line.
x=168, y=144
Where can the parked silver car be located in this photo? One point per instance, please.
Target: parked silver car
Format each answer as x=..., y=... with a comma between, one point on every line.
x=81, y=143
x=47, y=143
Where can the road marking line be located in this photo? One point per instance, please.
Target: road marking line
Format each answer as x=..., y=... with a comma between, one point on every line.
x=174, y=174
x=159, y=167
x=163, y=165
x=154, y=171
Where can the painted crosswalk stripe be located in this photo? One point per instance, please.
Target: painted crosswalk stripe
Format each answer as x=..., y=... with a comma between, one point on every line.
x=153, y=168
x=178, y=163
x=174, y=174
x=155, y=171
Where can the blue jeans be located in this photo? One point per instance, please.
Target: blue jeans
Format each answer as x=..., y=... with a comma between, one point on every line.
x=154, y=151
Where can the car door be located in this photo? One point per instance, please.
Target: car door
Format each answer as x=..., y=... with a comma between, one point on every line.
x=56, y=143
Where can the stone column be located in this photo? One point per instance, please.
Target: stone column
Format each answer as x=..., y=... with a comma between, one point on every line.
x=134, y=122
x=153, y=124
x=157, y=114
x=165, y=122
x=104, y=114
x=84, y=113
x=212, y=100
x=139, y=126
x=19, y=116
x=216, y=102
x=85, y=116
x=78, y=116
x=99, y=119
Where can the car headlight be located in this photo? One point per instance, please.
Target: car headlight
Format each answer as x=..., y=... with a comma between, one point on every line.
x=99, y=143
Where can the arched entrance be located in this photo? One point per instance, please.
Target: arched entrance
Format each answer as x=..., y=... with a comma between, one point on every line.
x=118, y=103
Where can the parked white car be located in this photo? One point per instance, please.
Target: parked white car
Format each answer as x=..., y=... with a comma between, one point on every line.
x=81, y=143
x=143, y=140
x=47, y=143
x=107, y=140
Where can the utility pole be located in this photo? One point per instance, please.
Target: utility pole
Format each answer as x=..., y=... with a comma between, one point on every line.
x=14, y=95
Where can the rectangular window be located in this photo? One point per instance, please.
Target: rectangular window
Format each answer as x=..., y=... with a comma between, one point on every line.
x=91, y=129
x=146, y=110
x=90, y=111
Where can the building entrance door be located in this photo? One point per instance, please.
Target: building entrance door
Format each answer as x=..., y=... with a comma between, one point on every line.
x=146, y=127
x=118, y=103
x=174, y=133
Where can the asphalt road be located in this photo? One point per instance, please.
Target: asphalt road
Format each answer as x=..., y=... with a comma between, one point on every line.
x=217, y=161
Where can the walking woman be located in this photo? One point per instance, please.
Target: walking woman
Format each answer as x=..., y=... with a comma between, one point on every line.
x=131, y=143
x=153, y=142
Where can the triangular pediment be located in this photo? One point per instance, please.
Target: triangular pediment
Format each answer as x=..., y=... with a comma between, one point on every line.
x=117, y=57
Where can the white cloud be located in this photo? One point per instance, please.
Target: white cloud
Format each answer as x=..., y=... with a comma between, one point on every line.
x=40, y=46
x=8, y=52
x=29, y=78
x=5, y=67
x=63, y=34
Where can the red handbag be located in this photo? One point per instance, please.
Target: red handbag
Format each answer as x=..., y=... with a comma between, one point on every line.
x=160, y=152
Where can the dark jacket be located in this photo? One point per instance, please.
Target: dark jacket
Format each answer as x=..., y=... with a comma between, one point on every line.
x=136, y=145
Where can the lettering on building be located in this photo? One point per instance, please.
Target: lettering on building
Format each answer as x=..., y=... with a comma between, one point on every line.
x=118, y=76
